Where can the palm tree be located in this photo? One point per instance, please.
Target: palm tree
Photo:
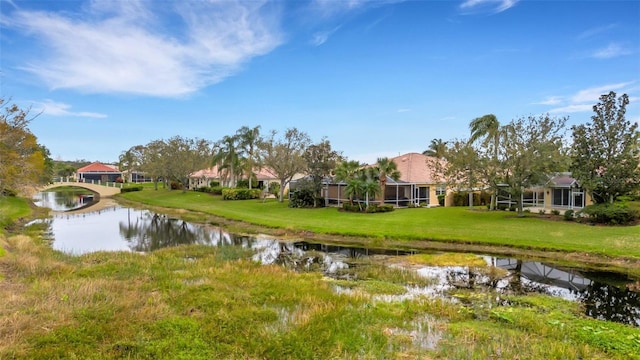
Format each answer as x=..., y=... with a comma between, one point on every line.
x=437, y=148
x=386, y=168
x=248, y=140
x=487, y=128
x=347, y=171
x=227, y=159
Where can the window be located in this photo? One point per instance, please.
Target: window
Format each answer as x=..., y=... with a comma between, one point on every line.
x=441, y=190
x=560, y=197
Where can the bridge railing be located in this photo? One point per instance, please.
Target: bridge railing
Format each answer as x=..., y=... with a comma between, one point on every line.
x=94, y=182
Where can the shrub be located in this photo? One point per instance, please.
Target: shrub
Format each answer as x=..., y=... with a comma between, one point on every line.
x=302, y=198
x=555, y=212
x=240, y=194
x=612, y=214
x=274, y=189
x=131, y=188
x=214, y=183
x=542, y=211
x=350, y=208
x=215, y=190
x=513, y=208
x=568, y=215
x=441, y=198
x=375, y=208
x=176, y=185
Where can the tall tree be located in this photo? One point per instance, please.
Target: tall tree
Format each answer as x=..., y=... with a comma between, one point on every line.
x=461, y=169
x=437, y=148
x=227, y=158
x=283, y=157
x=248, y=141
x=22, y=161
x=532, y=150
x=320, y=161
x=605, y=156
x=487, y=128
x=153, y=161
x=185, y=156
x=383, y=169
x=129, y=160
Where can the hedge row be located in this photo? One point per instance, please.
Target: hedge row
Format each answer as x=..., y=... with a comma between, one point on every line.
x=131, y=188
x=240, y=194
x=373, y=208
x=215, y=190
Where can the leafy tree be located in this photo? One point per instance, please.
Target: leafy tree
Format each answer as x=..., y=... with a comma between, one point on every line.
x=22, y=160
x=129, y=160
x=605, y=157
x=47, y=175
x=437, y=148
x=184, y=156
x=283, y=157
x=531, y=150
x=461, y=170
x=153, y=162
x=487, y=128
x=227, y=158
x=248, y=141
x=384, y=168
x=320, y=161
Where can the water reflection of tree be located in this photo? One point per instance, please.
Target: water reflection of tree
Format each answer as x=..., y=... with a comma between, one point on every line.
x=611, y=303
x=150, y=232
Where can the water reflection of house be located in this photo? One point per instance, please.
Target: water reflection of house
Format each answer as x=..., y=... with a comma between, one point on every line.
x=98, y=172
x=545, y=274
x=561, y=192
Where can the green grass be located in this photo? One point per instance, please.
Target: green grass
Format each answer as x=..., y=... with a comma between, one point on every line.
x=200, y=302
x=12, y=209
x=452, y=224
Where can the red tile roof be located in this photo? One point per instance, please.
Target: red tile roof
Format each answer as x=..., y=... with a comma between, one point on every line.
x=98, y=167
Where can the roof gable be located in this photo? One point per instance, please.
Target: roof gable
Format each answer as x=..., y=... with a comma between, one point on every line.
x=416, y=168
x=97, y=167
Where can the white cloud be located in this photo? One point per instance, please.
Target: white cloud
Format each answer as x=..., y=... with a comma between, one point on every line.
x=53, y=108
x=611, y=51
x=328, y=8
x=584, y=100
x=550, y=100
x=572, y=109
x=496, y=6
x=125, y=47
x=321, y=37
x=596, y=31
x=592, y=95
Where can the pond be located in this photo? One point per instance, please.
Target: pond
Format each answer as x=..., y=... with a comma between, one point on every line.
x=604, y=295
x=71, y=198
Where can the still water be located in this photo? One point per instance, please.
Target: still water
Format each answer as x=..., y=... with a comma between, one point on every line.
x=64, y=200
x=604, y=295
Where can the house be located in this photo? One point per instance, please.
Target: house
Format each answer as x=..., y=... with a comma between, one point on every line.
x=98, y=172
x=560, y=192
x=204, y=177
x=418, y=169
x=416, y=185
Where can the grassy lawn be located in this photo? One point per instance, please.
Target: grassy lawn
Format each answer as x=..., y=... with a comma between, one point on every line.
x=204, y=302
x=453, y=224
x=11, y=209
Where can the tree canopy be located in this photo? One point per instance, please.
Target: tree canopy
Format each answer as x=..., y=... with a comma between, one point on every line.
x=283, y=157
x=605, y=157
x=24, y=163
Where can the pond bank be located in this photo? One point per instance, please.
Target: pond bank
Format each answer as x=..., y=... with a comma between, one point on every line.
x=597, y=262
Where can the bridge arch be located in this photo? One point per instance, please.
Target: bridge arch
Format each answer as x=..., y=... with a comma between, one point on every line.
x=104, y=190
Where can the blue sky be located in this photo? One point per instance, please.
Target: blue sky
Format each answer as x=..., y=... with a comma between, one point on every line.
x=377, y=78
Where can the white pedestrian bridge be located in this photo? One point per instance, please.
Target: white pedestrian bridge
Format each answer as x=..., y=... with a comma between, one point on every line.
x=104, y=189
